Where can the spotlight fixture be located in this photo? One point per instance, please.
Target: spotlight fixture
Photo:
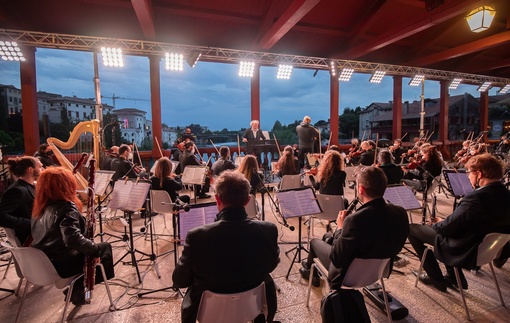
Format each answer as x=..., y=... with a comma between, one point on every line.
x=246, y=69
x=484, y=87
x=333, y=68
x=505, y=89
x=9, y=51
x=284, y=72
x=112, y=56
x=455, y=83
x=193, y=58
x=377, y=77
x=346, y=74
x=417, y=79
x=174, y=62
x=480, y=19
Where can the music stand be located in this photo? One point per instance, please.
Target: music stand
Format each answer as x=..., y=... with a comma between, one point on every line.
x=458, y=184
x=194, y=175
x=297, y=202
x=197, y=215
x=101, y=184
x=129, y=196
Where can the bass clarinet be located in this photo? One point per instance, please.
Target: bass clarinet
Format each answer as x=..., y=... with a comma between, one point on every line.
x=89, y=269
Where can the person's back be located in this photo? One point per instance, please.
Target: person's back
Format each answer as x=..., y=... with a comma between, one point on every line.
x=306, y=134
x=393, y=172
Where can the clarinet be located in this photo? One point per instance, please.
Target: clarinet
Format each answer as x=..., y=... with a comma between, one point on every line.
x=89, y=268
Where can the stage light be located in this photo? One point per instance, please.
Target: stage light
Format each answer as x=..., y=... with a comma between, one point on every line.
x=504, y=89
x=377, y=77
x=333, y=68
x=346, y=74
x=174, y=62
x=193, y=58
x=284, y=72
x=246, y=69
x=484, y=87
x=417, y=79
x=480, y=19
x=112, y=56
x=9, y=51
x=455, y=83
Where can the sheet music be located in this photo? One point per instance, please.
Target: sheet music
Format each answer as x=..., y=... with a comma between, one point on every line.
x=195, y=217
x=300, y=202
x=458, y=183
x=402, y=196
x=194, y=175
x=101, y=181
x=129, y=195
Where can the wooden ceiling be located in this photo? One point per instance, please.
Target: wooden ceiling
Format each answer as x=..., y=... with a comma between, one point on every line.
x=420, y=33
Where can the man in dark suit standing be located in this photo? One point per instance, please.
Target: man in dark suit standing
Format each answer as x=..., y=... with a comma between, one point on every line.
x=122, y=165
x=18, y=200
x=231, y=255
x=251, y=136
x=307, y=136
x=188, y=158
x=375, y=230
x=482, y=211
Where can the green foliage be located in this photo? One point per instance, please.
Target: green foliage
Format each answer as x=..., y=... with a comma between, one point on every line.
x=19, y=144
x=348, y=123
x=5, y=139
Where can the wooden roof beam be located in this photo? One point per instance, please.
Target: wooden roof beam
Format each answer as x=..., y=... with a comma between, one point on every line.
x=441, y=14
x=143, y=11
x=469, y=48
x=297, y=10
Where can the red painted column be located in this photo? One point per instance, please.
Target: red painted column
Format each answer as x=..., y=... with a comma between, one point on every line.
x=443, y=117
x=155, y=104
x=334, y=94
x=255, y=94
x=396, y=130
x=30, y=113
x=484, y=112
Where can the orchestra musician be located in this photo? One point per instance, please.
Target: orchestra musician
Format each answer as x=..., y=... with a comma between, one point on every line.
x=307, y=136
x=44, y=154
x=397, y=151
x=354, y=152
x=59, y=229
x=426, y=167
x=287, y=164
x=17, y=201
x=393, y=172
x=188, y=158
x=504, y=145
x=165, y=179
x=367, y=156
x=187, y=135
x=122, y=166
x=111, y=154
x=223, y=163
x=254, y=134
x=250, y=169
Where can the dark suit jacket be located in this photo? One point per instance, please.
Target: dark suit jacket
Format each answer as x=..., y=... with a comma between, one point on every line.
x=248, y=134
x=231, y=255
x=171, y=186
x=122, y=167
x=16, y=208
x=335, y=185
x=306, y=135
x=393, y=172
x=376, y=230
x=187, y=158
x=221, y=165
x=367, y=158
x=485, y=210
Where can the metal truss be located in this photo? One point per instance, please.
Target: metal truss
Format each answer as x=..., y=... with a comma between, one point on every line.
x=224, y=55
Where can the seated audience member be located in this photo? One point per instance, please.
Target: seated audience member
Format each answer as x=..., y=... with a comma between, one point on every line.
x=223, y=163
x=250, y=169
x=393, y=172
x=59, y=229
x=375, y=230
x=111, y=154
x=164, y=179
x=17, y=201
x=188, y=158
x=122, y=166
x=456, y=238
x=287, y=164
x=44, y=154
x=231, y=255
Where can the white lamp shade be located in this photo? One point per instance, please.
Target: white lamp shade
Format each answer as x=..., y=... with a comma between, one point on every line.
x=480, y=19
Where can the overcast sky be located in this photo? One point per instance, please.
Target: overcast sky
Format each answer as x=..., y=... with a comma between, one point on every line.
x=211, y=94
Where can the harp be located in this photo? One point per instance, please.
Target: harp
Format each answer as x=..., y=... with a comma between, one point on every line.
x=83, y=138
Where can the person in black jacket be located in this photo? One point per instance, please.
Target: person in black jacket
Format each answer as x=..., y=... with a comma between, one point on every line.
x=307, y=136
x=231, y=255
x=59, y=229
x=456, y=238
x=122, y=166
x=164, y=179
x=367, y=157
x=375, y=230
x=393, y=172
x=188, y=158
x=17, y=201
x=44, y=154
x=223, y=163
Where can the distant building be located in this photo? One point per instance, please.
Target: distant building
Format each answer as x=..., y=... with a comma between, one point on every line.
x=134, y=126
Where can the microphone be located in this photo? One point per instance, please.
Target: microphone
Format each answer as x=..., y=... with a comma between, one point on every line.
x=185, y=206
x=79, y=163
x=285, y=224
x=351, y=206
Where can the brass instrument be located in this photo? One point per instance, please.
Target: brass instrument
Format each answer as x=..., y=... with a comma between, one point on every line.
x=81, y=128
x=89, y=267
